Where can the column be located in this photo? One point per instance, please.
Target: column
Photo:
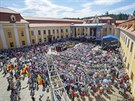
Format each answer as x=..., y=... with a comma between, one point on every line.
x=46, y=35
x=60, y=33
x=55, y=33
x=71, y=31
x=36, y=33
x=4, y=44
x=16, y=36
x=102, y=32
x=98, y=32
x=88, y=31
x=27, y=34
x=42, y=36
x=108, y=30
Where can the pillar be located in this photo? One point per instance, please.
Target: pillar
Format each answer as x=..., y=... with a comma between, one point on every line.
x=4, y=44
x=27, y=34
x=16, y=36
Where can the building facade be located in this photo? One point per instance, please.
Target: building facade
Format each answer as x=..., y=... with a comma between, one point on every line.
x=126, y=33
x=17, y=31
x=14, y=31
x=93, y=30
x=48, y=33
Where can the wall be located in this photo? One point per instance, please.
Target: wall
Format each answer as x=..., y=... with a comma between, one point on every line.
x=107, y=29
x=22, y=38
x=0, y=43
x=128, y=56
x=9, y=28
x=53, y=32
x=16, y=38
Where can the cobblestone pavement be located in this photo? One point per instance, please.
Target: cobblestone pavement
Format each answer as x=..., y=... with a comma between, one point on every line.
x=25, y=93
x=112, y=96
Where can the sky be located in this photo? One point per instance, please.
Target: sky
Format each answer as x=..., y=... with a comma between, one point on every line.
x=68, y=8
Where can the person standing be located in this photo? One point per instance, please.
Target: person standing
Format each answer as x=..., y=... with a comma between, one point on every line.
x=18, y=88
x=73, y=95
x=48, y=99
x=32, y=93
x=1, y=65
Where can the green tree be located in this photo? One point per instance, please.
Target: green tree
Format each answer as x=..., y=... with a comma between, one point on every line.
x=106, y=13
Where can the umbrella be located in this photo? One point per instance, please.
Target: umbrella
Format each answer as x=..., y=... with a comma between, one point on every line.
x=122, y=74
x=105, y=81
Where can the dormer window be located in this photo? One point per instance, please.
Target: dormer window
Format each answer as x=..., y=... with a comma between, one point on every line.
x=13, y=19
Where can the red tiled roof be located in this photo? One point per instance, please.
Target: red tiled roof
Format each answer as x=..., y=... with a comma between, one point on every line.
x=130, y=30
x=120, y=21
x=133, y=19
x=51, y=19
x=48, y=25
x=7, y=10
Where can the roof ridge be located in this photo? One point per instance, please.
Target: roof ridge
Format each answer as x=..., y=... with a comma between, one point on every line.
x=13, y=11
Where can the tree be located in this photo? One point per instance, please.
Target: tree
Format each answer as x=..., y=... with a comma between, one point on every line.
x=134, y=13
x=106, y=13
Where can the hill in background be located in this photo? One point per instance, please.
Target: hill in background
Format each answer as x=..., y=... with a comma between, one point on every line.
x=120, y=16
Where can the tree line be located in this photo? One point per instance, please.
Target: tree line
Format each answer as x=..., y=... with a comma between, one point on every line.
x=120, y=16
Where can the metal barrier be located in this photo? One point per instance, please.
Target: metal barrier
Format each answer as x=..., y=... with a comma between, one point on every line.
x=58, y=92
x=115, y=97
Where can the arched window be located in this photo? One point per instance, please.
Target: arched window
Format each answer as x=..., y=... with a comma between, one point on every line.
x=12, y=17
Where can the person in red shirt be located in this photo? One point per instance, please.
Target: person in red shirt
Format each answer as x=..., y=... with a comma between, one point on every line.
x=73, y=95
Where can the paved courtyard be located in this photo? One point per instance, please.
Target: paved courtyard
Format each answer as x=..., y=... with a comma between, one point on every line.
x=113, y=95
x=25, y=93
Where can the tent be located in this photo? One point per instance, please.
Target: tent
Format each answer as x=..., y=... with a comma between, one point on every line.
x=110, y=41
x=110, y=37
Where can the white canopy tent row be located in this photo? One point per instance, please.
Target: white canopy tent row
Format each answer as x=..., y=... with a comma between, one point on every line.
x=58, y=92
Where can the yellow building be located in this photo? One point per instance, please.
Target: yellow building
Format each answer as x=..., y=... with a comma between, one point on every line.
x=126, y=32
x=43, y=33
x=17, y=31
x=14, y=32
x=91, y=30
x=44, y=30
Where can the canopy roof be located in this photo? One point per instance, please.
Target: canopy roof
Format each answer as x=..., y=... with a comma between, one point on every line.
x=110, y=37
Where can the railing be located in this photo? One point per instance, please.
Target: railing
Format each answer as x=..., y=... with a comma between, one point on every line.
x=115, y=97
x=128, y=24
x=58, y=91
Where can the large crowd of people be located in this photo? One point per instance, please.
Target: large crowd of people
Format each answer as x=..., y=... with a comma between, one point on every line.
x=25, y=63
x=84, y=68
x=87, y=68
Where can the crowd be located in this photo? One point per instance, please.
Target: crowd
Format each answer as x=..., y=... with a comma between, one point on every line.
x=25, y=64
x=84, y=68
x=87, y=68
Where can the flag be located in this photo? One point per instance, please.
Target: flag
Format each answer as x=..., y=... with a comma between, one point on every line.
x=28, y=74
x=40, y=81
x=25, y=69
x=8, y=67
